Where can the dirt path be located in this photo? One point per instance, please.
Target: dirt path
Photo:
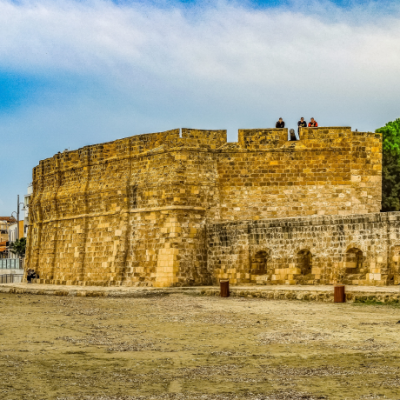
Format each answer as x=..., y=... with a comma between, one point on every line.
x=184, y=347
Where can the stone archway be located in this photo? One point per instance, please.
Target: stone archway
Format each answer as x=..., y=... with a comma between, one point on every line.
x=259, y=263
x=303, y=268
x=304, y=261
x=394, y=273
x=354, y=266
x=354, y=261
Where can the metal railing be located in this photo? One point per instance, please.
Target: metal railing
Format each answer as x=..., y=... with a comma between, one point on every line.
x=11, y=278
x=11, y=263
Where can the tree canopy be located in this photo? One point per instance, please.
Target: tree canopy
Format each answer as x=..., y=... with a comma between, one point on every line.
x=18, y=247
x=391, y=166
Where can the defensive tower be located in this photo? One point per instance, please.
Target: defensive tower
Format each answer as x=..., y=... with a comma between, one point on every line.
x=136, y=211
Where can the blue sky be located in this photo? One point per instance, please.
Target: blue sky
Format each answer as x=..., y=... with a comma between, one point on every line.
x=74, y=73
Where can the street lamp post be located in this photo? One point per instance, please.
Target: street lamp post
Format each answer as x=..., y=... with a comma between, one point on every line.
x=17, y=213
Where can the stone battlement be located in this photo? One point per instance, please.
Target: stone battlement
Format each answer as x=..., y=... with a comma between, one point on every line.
x=135, y=211
x=133, y=146
x=212, y=140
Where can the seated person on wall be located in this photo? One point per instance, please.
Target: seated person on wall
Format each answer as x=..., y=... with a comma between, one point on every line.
x=280, y=123
x=293, y=135
x=313, y=123
x=31, y=274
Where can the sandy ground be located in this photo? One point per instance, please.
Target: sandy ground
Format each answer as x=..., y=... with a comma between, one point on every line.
x=184, y=347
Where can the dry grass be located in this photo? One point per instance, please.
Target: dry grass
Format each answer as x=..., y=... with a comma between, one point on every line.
x=201, y=348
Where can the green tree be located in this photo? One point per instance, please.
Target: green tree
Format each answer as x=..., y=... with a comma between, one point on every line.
x=391, y=166
x=18, y=247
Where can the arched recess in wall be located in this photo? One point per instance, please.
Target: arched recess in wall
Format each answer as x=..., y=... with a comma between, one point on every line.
x=394, y=274
x=133, y=196
x=259, y=263
x=303, y=261
x=354, y=261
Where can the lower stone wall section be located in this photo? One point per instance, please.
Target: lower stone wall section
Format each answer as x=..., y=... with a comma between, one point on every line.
x=354, y=250
x=158, y=247
x=309, y=295
x=390, y=296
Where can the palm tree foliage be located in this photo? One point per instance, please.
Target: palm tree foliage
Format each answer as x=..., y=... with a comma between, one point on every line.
x=18, y=247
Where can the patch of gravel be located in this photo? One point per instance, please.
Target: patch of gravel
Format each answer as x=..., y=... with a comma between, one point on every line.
x=329, y=370
x=287, y=395
x=229, y=354
x=319, y=371
x=111, y=344
x=290, y=337
x=370, y=345
x=384, y=323
x=214, y=319
x=207, y=371
x=395, y=382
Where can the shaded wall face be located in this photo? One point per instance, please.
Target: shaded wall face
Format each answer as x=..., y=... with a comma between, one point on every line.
x=358, y=249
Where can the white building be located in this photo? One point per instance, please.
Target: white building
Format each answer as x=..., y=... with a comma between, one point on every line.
x=27, y=198
x=13, y=235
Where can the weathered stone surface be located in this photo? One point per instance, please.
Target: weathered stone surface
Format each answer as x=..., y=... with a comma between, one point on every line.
x=359, y=294
x=143, y=210
x=355, y=250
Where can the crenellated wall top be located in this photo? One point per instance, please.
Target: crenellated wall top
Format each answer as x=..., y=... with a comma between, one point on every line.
x=210, y=140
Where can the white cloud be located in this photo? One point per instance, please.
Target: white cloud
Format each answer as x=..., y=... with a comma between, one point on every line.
x=138, y=68
x=226, y=43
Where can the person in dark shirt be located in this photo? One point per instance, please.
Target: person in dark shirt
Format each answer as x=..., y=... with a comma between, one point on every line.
x=301, y=124
x=313, y=123
x=31, y=274
x=280, y=123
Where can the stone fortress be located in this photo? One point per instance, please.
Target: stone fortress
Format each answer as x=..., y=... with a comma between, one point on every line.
x=184, y=207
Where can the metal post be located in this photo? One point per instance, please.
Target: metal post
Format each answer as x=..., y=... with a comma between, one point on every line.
x=339, y=294
x=224, y=287
x=18, y=217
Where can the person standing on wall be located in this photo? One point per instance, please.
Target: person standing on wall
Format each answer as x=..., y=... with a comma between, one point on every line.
x=313, y=123
x=280, y=123
x=300, y=124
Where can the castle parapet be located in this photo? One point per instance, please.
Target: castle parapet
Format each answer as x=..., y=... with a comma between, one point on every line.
x=211, y=139
x=131, y=146
x=105, y=151
x=332, y=136
x=262, y=139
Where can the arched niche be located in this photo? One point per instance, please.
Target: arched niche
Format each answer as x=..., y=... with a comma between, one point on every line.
x=354, y=261
x=259, y=263
x=303, y=261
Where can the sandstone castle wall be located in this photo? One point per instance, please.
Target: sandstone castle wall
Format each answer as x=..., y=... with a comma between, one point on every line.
x=356, y=249
x=136, y=211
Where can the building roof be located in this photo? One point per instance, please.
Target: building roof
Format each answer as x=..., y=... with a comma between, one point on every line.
x=8, y=219
x=3, y=246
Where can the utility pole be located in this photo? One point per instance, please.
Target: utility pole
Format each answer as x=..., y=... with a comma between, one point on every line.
x=17, y=213
x=18, y=216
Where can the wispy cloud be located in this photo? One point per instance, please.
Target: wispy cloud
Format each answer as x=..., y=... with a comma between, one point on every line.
x=96, y=70
x=227, y=43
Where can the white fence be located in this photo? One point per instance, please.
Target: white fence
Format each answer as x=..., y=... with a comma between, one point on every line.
x=11, y=278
